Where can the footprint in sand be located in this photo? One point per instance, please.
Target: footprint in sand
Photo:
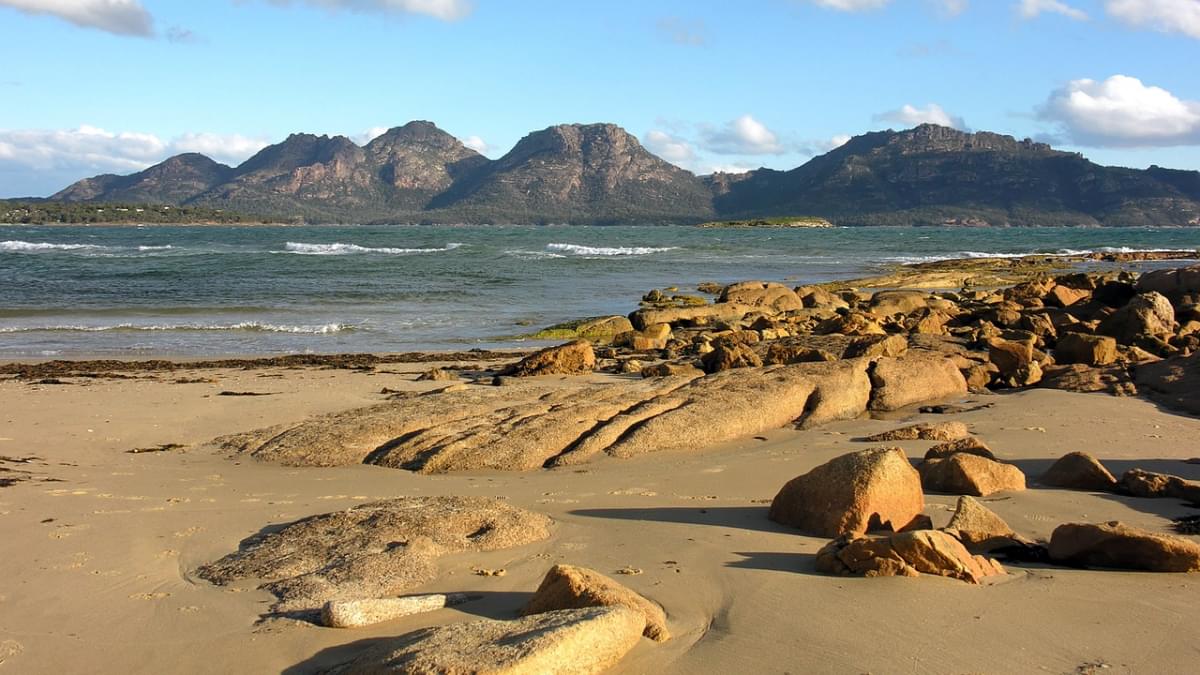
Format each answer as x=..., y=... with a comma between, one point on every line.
x=189, y=532
x=150, y=596
x=190, y=609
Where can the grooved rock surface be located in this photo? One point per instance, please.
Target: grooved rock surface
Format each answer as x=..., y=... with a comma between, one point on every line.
x=566, y=642
x=531, y=425
x=1116, y=545
x=905, y=554
x=873, y=489
x=373, y=550
x=570, y=587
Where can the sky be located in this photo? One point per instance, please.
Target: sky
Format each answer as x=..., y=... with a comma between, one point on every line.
x=114, y=86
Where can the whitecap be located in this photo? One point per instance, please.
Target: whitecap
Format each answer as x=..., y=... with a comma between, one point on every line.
x=258, y=326
x=578, y=249
x=338, y=248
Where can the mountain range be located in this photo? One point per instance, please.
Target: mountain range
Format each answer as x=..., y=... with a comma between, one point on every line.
x=601, y=174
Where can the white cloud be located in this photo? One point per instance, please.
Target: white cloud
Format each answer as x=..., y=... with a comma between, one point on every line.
x=735, y=168
x=368, y=135
x=671, y=148
x=909, y=115
x=225, y=148
x=1168, y=16
x=90, y=149
x=837, y=142
x=446, y=10
x=1030, y=9
x=477, y=144
x=1122, y=112
x=742, y=136
x=850, y=5
x=120, y=17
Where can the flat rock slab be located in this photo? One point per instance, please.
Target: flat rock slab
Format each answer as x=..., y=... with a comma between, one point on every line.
x=566, y=642
x=1122, y=547
x=370, y=611
x=531, y=426
x=373, y=550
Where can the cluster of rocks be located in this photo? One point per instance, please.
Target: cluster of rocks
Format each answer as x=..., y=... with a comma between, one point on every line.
x=345, y=569
x=1078, y=331
x=872, y=503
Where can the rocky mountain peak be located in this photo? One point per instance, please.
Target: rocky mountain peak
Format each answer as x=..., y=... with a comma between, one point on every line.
x=936, y=138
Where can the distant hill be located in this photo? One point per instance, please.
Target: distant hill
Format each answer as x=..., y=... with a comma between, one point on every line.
x=572, y=172
x=936, y=175
x=599, y=173
x=174, y=181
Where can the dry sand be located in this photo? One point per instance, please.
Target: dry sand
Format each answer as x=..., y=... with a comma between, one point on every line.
x=98, y=547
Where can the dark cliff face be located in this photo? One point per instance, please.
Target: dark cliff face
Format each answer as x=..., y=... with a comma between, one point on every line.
x=422, y=158
x=599, y=173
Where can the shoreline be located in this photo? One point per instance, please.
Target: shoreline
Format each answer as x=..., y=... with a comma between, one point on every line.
x=944, y=275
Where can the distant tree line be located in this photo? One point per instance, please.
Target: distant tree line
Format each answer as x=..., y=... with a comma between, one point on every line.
x=81, y=213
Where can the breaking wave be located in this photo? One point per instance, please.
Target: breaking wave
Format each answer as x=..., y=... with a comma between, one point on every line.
x=960, y=255
x=577, y=249
x=255, y=326
x=18, y=246
x=337, y=248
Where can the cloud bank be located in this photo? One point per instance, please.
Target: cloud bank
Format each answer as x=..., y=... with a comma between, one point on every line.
x=1122, y=112
x=742, y=136
x=909, y=115
x=1031, y=9
x=1168, y=16
x=119, y=17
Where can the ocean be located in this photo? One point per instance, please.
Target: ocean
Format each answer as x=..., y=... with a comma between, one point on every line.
x=142, y=291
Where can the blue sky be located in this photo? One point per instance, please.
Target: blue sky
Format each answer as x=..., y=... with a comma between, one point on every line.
x=93, y=86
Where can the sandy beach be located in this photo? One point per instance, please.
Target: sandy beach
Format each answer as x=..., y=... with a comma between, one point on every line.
x=101, y=545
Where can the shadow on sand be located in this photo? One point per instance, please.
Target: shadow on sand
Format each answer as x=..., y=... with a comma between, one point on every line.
x=752, y=518
x=500, y=606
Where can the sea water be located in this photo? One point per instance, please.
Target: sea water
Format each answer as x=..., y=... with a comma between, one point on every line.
x=139, y=291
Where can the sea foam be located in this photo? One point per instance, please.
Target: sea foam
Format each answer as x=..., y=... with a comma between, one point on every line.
x=338, y=248
x=578, y=249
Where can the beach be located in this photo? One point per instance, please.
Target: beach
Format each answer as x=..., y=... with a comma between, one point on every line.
x=119, y=498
